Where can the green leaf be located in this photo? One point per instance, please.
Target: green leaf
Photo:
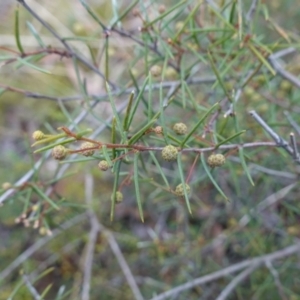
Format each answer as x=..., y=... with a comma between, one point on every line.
x=32, y=66
x=17, y=31
x=116, y=169
x=137, y=185
x=162, y=16
x=35, y=34
x=66, y=141
x=219, y=77
x=45, y=197
x=261, y=58
x=128, y=110
x=93, y=14
x=106, y=155
x=137, y=101
x=186, y=197
x=206, y=168
x=46, y=290
x=141, y=132
x=230, y=138
x=124, y=13
x=198, y=124
x=246, y=170
x=159, y=168
x=113, y=137
x=114, y=109
x=189, y=17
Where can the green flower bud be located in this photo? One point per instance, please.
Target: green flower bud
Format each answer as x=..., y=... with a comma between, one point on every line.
x=179, y=191
x=169, y=153
x=155, y=70
x=88, y=152
x=38, y=135
x=216, y=160
x=180, y=128
x=103, y=165
x=59, y=152
x=119, y=197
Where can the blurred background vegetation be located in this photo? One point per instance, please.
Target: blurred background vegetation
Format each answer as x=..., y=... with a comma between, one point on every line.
x=187, y=40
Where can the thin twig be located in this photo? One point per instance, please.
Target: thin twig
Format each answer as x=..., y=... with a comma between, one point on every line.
x=296, y=155
x=292, y=122
x=234, y=283
x=251, y=10
x=280, y=70
x=255, y=167
x=279, y=140
x=100, y=97
x=34, y=293
x=275, y=275
x=66, y=45
x=290, y=250
x=124, y=266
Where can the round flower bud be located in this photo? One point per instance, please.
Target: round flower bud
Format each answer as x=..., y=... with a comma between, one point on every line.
x=179, y=191
x=43, y=231
x=6, y=186
x=59, y=152
x=155, y=70
x=119, y=197
x=35, y=207
x=180, y=128
x=285, y=85
x=88, y=152
x=171, y=73
x=179, y=25
x=158, y=130
x=38, y=135
x=103, y=165
x=135, y=12
x=161, y=9
x=216, y=160
x=169, y=153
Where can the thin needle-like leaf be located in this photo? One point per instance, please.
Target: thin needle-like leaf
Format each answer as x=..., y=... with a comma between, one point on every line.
x=230, y=138
x=137, y=101
x=206, y=168
x=137, y=184
x=35, y=34
x=180, y=170
x=45, y=197
x=246, y=170
x=28, y=64
x=113, y=137
x=17, y=31
x=117, y=167
x=198, y=124
x=128, y=110
x=115, y=112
